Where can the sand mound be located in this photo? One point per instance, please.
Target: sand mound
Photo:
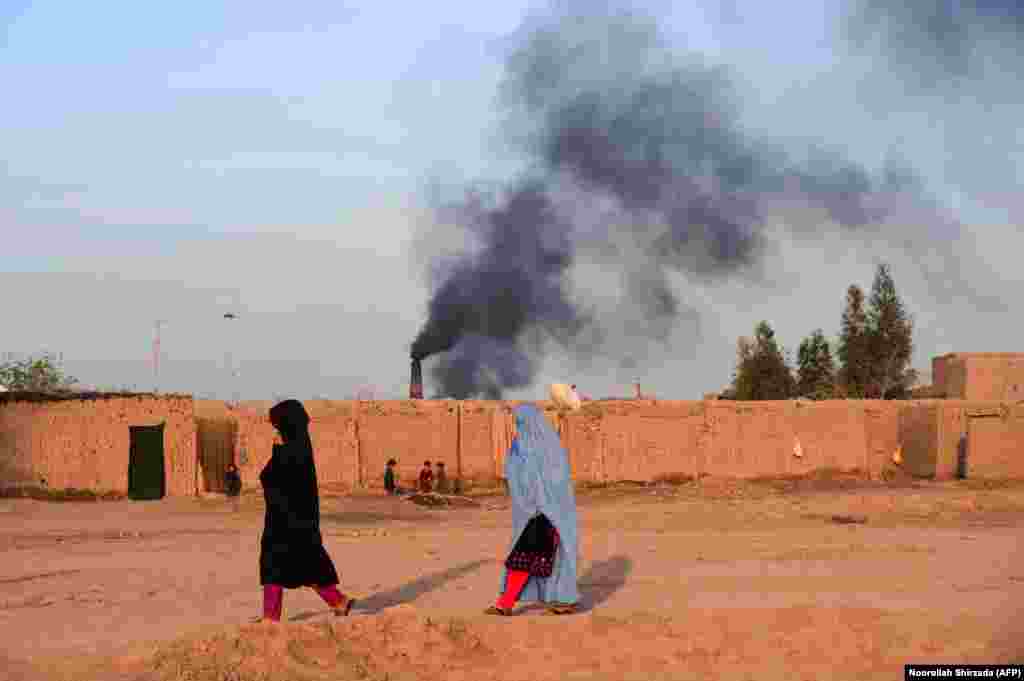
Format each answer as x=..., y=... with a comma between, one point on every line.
x=395, y=645
x=404, y=643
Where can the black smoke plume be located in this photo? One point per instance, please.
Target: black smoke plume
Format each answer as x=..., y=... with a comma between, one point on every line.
x=482, y=311
x=933, y=40
x=609, y=113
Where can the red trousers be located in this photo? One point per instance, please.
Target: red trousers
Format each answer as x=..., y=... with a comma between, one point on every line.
x=514, y=584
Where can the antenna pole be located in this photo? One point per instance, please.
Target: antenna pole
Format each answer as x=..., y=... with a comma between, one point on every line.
x=156, y=355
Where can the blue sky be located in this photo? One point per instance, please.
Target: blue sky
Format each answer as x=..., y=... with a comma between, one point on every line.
x=181, y=160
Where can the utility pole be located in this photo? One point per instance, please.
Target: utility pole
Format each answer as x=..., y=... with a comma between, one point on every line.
x=232, y=373
x=156, y=355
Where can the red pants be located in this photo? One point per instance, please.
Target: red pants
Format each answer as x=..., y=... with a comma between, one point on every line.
x=514, y=584
x=273, y=598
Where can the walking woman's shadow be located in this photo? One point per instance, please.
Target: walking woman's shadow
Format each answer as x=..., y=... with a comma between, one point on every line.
x=603, y=579
x=407, y=592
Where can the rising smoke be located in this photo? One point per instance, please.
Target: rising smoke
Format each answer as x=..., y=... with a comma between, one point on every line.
x=934, y=41
x=640, y=162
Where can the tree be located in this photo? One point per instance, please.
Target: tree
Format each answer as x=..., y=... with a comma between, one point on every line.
x=35, y=374
x=742, y=378
x=853, y=348
x=815, y=368
x=762, y=372
x=890, y=339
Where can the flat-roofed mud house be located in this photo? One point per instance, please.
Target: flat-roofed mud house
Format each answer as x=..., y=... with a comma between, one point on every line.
x=997, y=376
x=141, y=445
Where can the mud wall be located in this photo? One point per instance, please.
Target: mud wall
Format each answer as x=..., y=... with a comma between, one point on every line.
x=606, y=441
x=939, y=375
x=994, y=376
x=934, y=435
x=918, y=429
x=995, y=445
x=335, y=432
x=84, y=443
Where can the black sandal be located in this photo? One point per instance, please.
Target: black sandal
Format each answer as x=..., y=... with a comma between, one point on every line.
x=495, y=610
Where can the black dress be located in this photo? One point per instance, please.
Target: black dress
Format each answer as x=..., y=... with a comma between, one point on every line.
x=535, y=549
x=292, y=553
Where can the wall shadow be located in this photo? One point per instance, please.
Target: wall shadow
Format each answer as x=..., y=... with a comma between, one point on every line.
x=416, y=588
x=603, y=579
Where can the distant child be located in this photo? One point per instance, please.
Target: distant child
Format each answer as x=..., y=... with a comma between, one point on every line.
x=233, y=484
x=441, y=479
x=426, y=478
x=389, y=477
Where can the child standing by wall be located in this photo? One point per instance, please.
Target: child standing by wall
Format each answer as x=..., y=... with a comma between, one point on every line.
x=441, y=481
x=390, y=484
x=426, y=478
x=233, y=485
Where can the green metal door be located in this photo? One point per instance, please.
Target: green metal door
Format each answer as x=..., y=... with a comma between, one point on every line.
x=146, y=463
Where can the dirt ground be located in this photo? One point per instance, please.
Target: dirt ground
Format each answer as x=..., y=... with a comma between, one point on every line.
x=712, y=579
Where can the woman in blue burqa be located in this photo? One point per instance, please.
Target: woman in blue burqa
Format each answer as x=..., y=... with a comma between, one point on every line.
x=541, y=565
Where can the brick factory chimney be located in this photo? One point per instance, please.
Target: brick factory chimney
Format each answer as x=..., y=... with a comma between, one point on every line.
x=416, y=381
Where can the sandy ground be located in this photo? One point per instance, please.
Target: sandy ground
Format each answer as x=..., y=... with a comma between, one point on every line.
x=707, y=580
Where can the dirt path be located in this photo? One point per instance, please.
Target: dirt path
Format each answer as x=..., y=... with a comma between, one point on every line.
x=720, y=568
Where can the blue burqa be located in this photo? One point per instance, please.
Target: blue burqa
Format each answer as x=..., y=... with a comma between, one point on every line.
x=537, y=470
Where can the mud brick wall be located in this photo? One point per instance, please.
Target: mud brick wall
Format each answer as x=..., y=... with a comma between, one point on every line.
x=584, y=438
x=650, y=441
x=334, y=428
x=918, y=428
x=934, y=434
x=833, y=436
x=955, y=386
x=624, y=440
x=215, y=449
x=993, y=376
x=995, y=446
x=744, y=440
x=939, y=374
x=882, y=436
x=952, y=422
x=410, y=431
x=84, y=444
x=485, y=432
x=791, y=438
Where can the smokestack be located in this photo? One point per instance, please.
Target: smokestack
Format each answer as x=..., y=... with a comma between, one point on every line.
x=416, y=381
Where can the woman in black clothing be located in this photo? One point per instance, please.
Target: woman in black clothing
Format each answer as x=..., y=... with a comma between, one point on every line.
x=292, y=553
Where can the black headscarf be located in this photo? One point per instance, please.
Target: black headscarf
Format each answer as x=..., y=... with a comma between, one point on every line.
x=291, y=420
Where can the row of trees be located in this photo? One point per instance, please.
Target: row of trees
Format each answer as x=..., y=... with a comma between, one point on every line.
x=871, y=359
